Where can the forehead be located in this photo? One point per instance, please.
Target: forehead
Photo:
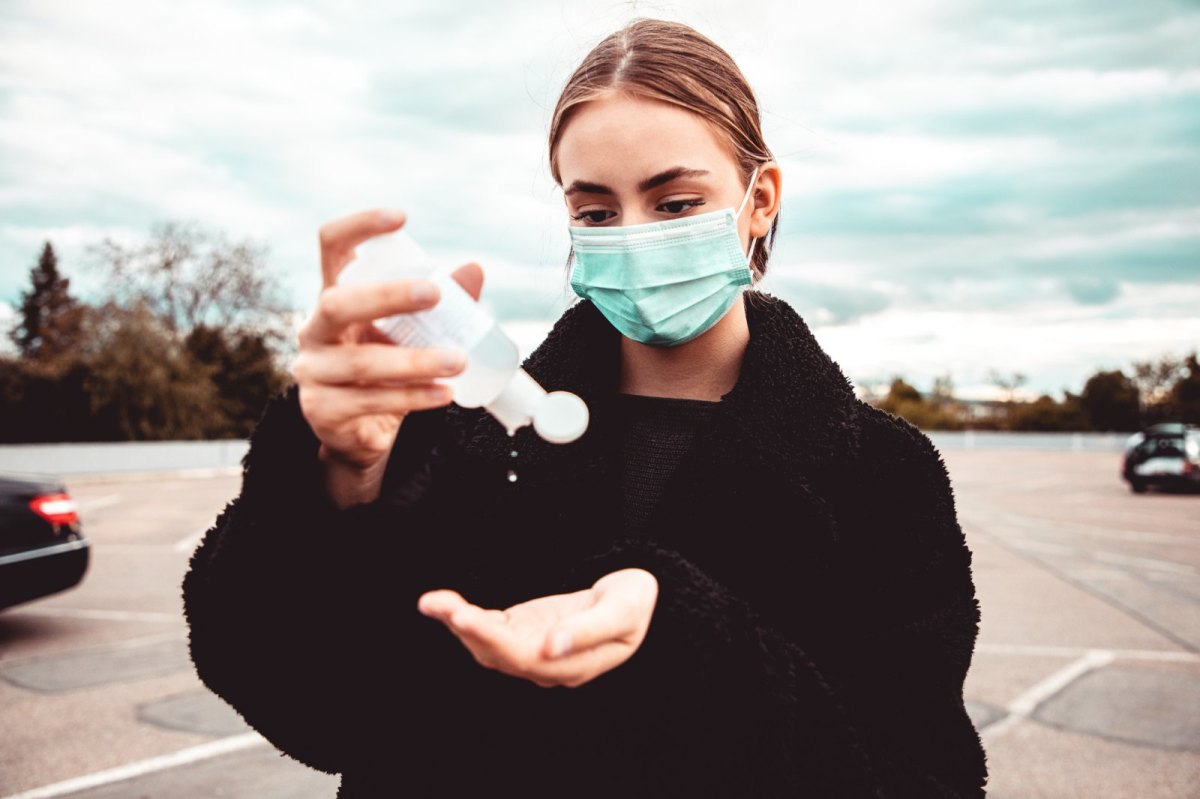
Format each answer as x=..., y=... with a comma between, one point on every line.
x=620, y=139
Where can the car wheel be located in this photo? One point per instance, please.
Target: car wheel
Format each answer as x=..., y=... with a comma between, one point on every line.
x=1137, y=486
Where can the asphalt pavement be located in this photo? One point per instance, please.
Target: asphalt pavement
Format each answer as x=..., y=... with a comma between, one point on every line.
x=1085, y=682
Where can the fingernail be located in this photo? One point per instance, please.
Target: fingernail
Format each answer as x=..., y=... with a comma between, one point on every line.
x=450, y=360
x=423, y=291
x=391, y=216
x=560, y=643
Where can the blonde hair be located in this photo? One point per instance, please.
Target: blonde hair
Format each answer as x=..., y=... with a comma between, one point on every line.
x=673, y=63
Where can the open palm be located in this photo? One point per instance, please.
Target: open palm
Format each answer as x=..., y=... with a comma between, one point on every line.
x=562, y=639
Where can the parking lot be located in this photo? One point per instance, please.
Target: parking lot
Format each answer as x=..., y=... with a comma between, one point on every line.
x=1085, y=681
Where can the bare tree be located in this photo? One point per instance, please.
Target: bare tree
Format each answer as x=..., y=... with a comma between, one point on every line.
x=189, y=276
x=1008, y=384
x=1154, y=379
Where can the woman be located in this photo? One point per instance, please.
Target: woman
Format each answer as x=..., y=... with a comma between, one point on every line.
x=741, y=581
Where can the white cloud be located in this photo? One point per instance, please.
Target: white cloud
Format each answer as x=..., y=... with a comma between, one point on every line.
x=8, y=318
x=265, y=120
x=1056, y=346
x=886, y=160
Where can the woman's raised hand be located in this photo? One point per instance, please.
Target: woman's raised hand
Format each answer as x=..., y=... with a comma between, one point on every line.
x=355, y=385
x=564, y=639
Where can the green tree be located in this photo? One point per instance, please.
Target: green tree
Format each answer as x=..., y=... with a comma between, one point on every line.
x=49, y=319
x=243, y=372
x=141, y=384
x=905, y=400
x=181, y=347
x=1045, y=414
x=1110, y=400
x=900, y=392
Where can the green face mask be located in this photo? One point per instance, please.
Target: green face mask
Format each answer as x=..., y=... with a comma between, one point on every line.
x=663, y=283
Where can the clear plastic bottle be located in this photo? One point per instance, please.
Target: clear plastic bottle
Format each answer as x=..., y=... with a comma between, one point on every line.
x=492, y=378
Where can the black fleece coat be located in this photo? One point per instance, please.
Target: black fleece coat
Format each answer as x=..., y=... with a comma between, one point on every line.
x=815, y=621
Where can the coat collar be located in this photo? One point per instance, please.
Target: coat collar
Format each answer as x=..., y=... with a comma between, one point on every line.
x=791, y=402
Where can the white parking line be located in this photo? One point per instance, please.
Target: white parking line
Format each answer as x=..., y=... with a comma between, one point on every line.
x=189, y=544
x=1147, y=563
x=1042, y=650
x=1023, y=706
x=1135, y=561
x=222, y=746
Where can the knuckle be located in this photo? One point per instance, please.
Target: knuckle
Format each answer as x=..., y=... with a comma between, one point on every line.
x=304, y=332
x=327, y=235
x=301, y=367
x=312, y=402
x=330, y=304
x=358, y=363
x=364, y=440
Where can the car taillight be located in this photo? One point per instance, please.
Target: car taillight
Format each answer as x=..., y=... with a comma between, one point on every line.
x=55, y=508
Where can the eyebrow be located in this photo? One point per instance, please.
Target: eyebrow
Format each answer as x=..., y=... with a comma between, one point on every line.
x=666, y=176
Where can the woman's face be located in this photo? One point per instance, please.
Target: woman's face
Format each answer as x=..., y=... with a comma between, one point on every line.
x=626, y=160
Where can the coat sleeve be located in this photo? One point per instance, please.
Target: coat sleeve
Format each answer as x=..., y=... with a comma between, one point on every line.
x=292, y=603
x=877, y=711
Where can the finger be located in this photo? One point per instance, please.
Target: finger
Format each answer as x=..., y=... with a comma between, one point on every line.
x=470, y=277
x=581, y=666
x=339, y=237
x=482, y=623
x=338, y=307
x=336, y=405
x=607, y=620
x=369, y=363
x=491, y=642
x=441, y=603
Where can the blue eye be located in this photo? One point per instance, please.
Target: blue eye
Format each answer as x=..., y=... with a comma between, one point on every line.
x=678, y=206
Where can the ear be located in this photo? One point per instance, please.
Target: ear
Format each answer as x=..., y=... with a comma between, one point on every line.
x=768, y=192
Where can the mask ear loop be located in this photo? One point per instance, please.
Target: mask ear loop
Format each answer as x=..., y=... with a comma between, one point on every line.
x=742, y=207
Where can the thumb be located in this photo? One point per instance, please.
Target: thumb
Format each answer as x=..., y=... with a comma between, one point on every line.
x=605, y=621
x=470, y=277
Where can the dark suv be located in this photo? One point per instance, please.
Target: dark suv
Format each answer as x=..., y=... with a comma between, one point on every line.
x=1163, y=455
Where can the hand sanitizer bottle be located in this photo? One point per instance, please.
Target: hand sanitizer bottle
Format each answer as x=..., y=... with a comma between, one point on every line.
x=493, y=377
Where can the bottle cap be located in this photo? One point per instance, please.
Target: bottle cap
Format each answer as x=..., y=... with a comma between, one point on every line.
x=561, y=417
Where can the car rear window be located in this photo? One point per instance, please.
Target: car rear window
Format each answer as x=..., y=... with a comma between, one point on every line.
x=1166, y=446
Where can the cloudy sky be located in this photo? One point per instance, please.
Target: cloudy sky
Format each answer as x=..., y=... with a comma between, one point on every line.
x=969, y=185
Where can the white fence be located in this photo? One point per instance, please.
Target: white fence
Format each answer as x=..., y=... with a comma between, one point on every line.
x=202, y=456
x=124, y=457
x=1059, y=442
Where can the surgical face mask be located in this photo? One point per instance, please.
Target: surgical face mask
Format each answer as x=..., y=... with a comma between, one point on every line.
x=664, y=283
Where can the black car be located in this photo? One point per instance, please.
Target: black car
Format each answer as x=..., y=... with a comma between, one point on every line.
x=1166, y=455
x=42, y=546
